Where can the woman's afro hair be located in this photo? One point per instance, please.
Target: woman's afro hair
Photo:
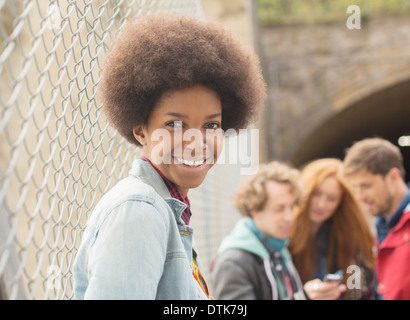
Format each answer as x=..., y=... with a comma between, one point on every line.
x=156, y=54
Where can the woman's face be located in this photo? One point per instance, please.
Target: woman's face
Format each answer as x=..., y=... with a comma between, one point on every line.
x=183, y=137
x=325, y=200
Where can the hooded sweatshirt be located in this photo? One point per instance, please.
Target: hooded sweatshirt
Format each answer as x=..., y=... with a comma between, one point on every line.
x=251, y=266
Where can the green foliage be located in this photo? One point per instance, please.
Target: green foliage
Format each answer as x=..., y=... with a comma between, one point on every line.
x=272, y=12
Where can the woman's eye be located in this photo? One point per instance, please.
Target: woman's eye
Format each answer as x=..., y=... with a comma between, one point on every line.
x=213, y=125
x=174, y=124
x=330, y=199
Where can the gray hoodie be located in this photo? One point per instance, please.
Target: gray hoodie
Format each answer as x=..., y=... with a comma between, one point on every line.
x=244, y=268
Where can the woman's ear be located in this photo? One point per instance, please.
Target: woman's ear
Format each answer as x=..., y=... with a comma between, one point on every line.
x=140, y=135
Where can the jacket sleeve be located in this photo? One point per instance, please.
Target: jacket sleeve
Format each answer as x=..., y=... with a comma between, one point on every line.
x=231, y=280
x=127, y=258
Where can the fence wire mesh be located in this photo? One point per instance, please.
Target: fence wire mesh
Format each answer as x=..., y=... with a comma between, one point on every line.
x=58, y=154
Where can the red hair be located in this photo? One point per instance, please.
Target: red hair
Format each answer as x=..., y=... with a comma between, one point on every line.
x=349, y=241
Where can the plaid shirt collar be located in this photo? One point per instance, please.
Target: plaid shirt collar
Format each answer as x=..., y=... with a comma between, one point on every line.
x=173, y=191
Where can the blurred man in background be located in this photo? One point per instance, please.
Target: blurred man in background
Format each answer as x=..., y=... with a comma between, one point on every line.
x=375, y=169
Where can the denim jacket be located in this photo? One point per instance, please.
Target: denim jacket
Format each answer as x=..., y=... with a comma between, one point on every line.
x=136, y=245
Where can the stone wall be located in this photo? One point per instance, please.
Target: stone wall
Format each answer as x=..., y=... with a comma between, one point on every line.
x=318, y=70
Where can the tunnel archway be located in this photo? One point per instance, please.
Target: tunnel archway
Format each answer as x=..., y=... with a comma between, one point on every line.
x=385, y=114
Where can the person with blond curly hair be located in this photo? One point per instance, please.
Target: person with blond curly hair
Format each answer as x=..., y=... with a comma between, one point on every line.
x=253, y=261
x=166, y=78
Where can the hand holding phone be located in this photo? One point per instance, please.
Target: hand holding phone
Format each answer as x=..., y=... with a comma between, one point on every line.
x=330, y=288
x=331, y=277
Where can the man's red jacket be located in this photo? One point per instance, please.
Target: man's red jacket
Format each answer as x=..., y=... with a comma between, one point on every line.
x=393, y=261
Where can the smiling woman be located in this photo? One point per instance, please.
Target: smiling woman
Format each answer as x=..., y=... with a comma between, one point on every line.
x=197, y=109
x=158, y=55
x=170, y=85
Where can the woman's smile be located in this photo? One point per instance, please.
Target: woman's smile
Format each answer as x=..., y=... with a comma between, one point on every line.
x=184, y=130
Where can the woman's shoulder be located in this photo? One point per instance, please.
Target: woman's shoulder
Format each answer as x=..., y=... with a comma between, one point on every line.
x=131, y=197
x=128, y=189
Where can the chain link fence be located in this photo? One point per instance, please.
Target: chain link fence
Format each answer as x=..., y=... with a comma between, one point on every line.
x=58, y=154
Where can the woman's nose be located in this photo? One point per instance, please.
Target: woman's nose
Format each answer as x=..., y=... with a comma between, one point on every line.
x=194, y=144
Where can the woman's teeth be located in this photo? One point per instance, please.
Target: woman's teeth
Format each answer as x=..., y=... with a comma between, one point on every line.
x=190, y=163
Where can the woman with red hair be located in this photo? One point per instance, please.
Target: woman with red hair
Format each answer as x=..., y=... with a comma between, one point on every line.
x=331, y=231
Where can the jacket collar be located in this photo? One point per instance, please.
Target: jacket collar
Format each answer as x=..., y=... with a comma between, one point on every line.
x=242, y=238
x=271, y=242
x=143, y=171
x=395, y=222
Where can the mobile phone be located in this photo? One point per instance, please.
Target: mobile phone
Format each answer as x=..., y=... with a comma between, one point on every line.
x=331, y=277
